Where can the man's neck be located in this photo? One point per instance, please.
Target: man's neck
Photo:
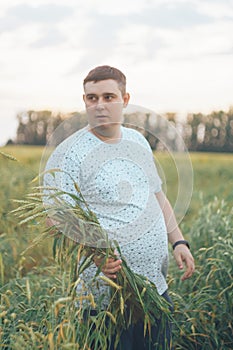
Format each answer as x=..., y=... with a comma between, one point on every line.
x=108, y=136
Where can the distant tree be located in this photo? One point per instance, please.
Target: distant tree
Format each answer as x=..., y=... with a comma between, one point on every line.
x=9, y=142
x=229, y=131
x=192, y=130
x=159, y=131
x=36, y=127
x=33, y=127
x=214, y=135
x=209, y=133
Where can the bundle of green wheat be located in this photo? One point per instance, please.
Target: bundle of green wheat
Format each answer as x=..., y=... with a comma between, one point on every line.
x=132, y=296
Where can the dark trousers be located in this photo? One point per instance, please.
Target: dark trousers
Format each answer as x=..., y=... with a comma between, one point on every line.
x=133, y=338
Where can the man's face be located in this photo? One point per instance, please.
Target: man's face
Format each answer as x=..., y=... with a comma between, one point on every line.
x=104, y=103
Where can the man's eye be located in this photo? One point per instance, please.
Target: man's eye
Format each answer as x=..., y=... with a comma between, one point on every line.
x=108, y=97
x=91, y=98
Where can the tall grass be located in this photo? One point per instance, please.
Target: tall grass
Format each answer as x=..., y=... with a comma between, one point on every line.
x=33, y=311
x=15, y=177
x=132, y=296
x=204, y=305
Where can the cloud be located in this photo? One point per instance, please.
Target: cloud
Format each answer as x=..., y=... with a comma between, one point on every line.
x=171, y=50
x=41, y=13
x=99, y=40
x=216, y=9
x=41, y=21
x=227, y=52
x=136, y=35
x=24, y=14
x=171, y=15
x=51, y=37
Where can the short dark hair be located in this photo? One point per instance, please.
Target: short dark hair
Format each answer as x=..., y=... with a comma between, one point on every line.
x=106, y=72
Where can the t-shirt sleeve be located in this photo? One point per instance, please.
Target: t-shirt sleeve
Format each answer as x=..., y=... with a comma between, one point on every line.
x=157, y=182
x=61, y=173
x=155, y=179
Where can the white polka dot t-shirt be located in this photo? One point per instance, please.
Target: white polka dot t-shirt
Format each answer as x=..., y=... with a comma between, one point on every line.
x=119, y=182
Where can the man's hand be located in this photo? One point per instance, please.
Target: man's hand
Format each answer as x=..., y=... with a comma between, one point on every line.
x=183, y=255
x=51, y=222
x=111, y=266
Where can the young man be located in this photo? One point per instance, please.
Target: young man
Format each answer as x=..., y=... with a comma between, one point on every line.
x=114, y=169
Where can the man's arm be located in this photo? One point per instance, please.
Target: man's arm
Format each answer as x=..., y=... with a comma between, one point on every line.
x=181, y=251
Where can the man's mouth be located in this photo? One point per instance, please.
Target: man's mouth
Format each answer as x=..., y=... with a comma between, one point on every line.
x=101, y=116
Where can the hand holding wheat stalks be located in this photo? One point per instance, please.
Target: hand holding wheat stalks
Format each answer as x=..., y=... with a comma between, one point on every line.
x=132, y=296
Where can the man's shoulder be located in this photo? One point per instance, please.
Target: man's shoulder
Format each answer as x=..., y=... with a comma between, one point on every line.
x=130, y=132
x=136, y=136
x=71, y=140
x=61, y=149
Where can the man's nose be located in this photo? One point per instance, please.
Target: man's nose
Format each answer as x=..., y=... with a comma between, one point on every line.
x=100, y=104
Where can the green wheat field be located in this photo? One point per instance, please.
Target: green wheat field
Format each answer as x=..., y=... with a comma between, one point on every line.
x=35, y=312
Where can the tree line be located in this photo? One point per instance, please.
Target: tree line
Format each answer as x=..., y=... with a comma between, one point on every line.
x=200, y=132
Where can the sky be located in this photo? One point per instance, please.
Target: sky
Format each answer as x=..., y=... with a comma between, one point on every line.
x=177, y=55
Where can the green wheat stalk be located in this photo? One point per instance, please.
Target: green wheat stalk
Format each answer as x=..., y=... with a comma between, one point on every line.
x=132, y=296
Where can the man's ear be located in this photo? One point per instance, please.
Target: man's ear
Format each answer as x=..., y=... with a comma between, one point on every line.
x=126, y=99
x=84, y=98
